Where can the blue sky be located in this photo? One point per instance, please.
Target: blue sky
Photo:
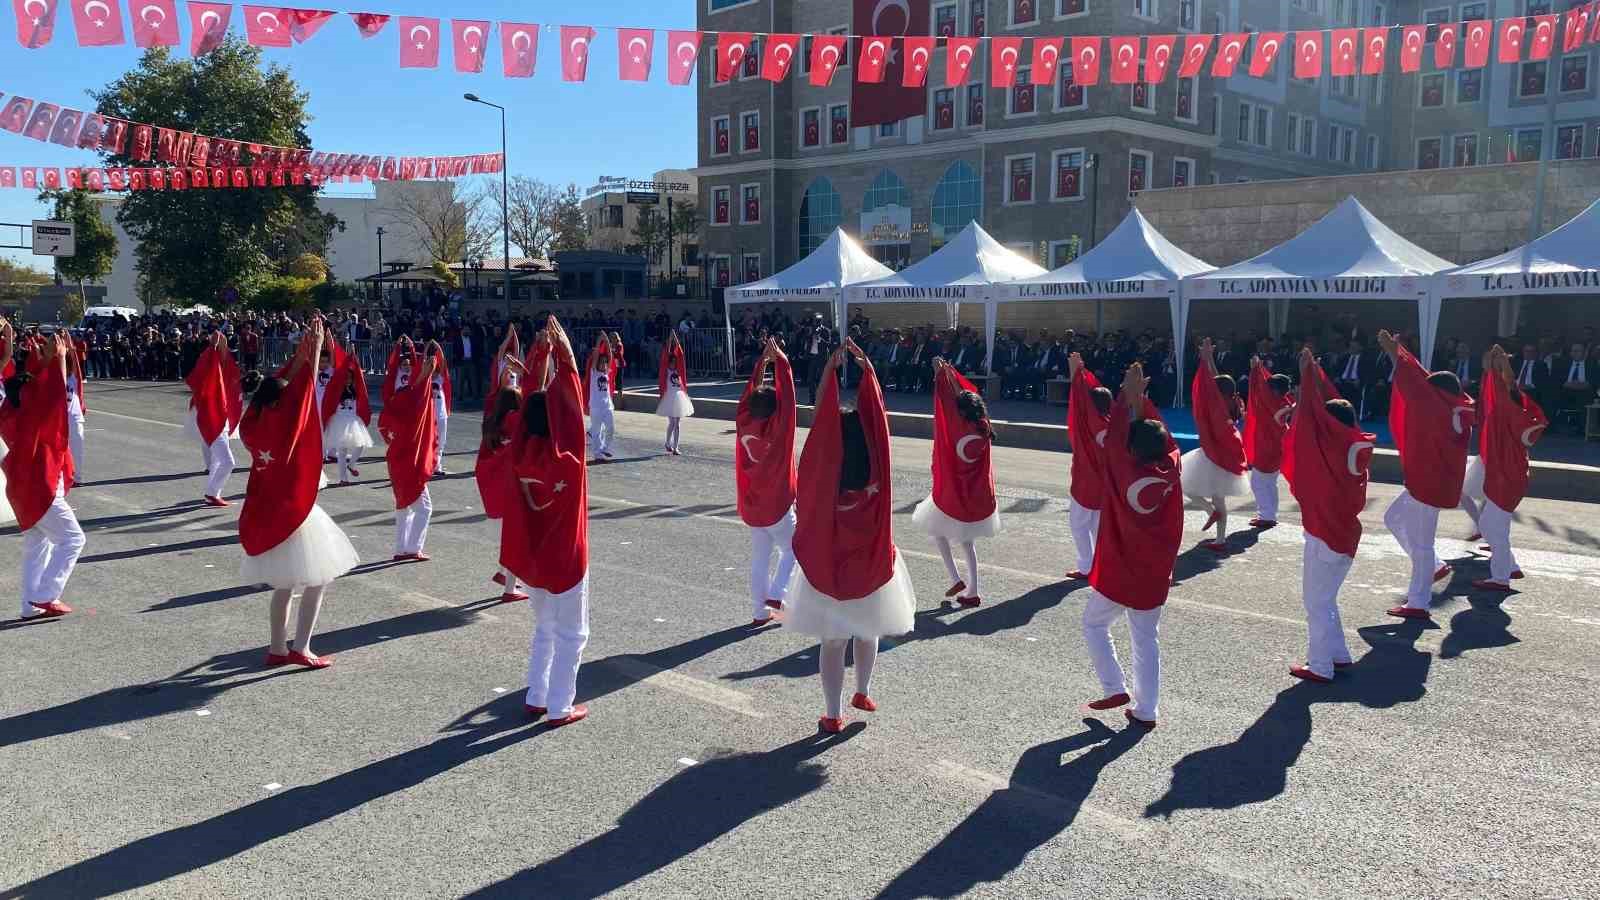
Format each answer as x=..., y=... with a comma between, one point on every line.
x=361, y=101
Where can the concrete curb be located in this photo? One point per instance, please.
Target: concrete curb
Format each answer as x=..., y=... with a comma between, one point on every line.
x=1547, y=481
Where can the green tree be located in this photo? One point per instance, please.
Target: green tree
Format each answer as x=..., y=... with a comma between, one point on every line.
x=568, y=229
x=201, y=245
x=95, y=244
x=18, y=283
x=307, y=265
x=650, y=234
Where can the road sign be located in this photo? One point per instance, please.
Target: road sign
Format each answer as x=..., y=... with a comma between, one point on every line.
x=53, y=238
x=644, y=198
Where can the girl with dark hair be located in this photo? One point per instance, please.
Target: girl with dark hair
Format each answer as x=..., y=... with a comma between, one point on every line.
x=962, y=506
x=598, y=399
x=851, y=585
x=409, y=426
x=215, y=408
x=1214, y=471
x=764, y=474
x=1512, y=423
x=502, y=421
x=1266, y=423
x=674, y=388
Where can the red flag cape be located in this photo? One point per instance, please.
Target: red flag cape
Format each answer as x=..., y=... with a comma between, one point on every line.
x=1431, y=429
x=496, y=484
x=1214, y=420
x=544, y=539
x=1265, y=423
x=673, y=359
x=398, y=357
x=346, y=371
x=1510, y=428
x=963, y=480
x=38, y=457
x=844, y=541
x=1141, y=524
x=1325, y=462
x=407, y=424
x=763, y=460
x=214, y=395
x=1086, y=428
x=77, y=373
x=285, y=444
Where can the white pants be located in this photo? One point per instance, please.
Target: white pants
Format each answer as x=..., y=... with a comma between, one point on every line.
x=560, y=631
x=1414, y=524
x=1322, y=573
x=1265, y=486
x=347, y=457
x=50, y=551
x=510, y=586
x=1085, y=523
x=775, y=538
x=602, y=426
x=1495, y=523
x=1144, y=626
x=970, y=549
x=411, y=525
x=674, y=431
x=75, y=436
x=219, y=464
x=441, y=420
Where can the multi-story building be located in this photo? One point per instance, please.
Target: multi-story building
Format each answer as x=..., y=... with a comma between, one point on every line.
x=1048, y=168
x=612, y=207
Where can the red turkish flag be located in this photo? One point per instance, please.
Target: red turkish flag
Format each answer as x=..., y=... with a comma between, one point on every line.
x=682, y=54
x=115, y=135
x=575, y=52
x=208, y=25
x=1268, y=43
x=874, y=59
x=1308, y=54
x=1478, y=41
x=419, y=43
x=94, y=126
x=1544, y=37
x=1086, y=61
x=303, y=23
x=1229, y=52
x=959, y=55
x=1594, y=22
x=469, y=43
x=1411, y=42
x=779, y=55
x=155, y=24
x=264, y=26
x=1046, y=57
x=1345, y=44
x=369, y=24
x=1511, y=34
x=1124, y=60
x=519, y=48
x=116, y=179
x=137, y=180
x=98, y=23
x=731, y=48
x=1005, y=54
x=1577, y=28
x=1158, y=57
x=1195, y=48
x=887, y=100
x=919, y=58
x=635, y=52
x=36, y=22
x=826, y=51
x=1444, y=46
x=52, y=179
x=30, y=178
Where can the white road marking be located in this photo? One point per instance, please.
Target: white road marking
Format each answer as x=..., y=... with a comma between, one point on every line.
x=202, y=712
x=101, y=412
x=271, y=786
x=685, y=761
x=704, y=691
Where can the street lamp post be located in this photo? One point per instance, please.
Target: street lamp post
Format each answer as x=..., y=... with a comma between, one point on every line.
x=505, y=198
x=381, y=233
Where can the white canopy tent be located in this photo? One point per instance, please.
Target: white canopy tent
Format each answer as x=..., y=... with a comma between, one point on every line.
x=1134, y=262
x=1347, y=255
x=967, y=268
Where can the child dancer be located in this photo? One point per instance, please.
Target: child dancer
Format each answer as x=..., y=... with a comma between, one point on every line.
x=443, y=403
x=1141, y=528
x=852, y=586
x=763, y=470
x=674, y=386
x=1265, y=424
x=962, y=506
x=501, y=422
x=598, y=400
x=544, y=539
x=408, y=426
x=1431, y=420
x=75, y=411
x=326, y=365
x=215, y=408
x=1088, y=416
x=8, y=368
x=38, y=471
x=347, y=410
x=1214, y=471
x=289, y=543
x=1325, y=460
x=1512, y=423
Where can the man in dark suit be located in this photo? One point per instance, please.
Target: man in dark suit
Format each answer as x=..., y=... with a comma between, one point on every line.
x=1533, y=374
x=1044, y=363
x=968, y=358
x=1012, y=361
x=1579, y=380
x=1466, y=368
x=1354, y=373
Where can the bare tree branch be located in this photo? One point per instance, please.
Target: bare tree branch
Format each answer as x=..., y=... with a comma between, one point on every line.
x=447, y=222
x=531, y=218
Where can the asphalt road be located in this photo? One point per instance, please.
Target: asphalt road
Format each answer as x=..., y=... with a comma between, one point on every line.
x=146, y=751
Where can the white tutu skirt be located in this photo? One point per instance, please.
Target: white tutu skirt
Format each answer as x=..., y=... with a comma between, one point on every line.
x=890, y=610
x=316, y=554
x=930, y=518
x=346, y=431
x=1205, y=479
x=675, y=404
x=1472, y=485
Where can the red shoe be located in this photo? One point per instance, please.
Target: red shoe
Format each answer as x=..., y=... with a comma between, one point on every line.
x=1263, y=524
x=1475, y=536
x=757, y=623
x=1077, y=575
x=499, y=578
x=1218, y=547
x=414, y=557
x=1443, y=573
x=1146, y=724
x=956, y=589
x=1406, y=612
x=1305, y=674
x=513, y=597
x=578, y=714
x=863, y=702
x=53, y=609
x=1516, y=574
x=534, y=712
x=1211, y=520
x=355, y=471
x=1489, y=584
x=970, y=602
x=1111, y=702
x=831, y=726
x=216, y=501
x=775, y=604
x=276, y=659
x=311, y=662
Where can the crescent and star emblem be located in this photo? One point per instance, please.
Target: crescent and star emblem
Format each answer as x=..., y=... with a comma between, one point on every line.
x=744, y=442
x=1100, y=436
x=161, y=16
x=521, y=40
x=1162, y=54
x=829, y=56
x=579, y=48
x=963, y=56
x=1196, y=53
x=1355, y=451
x=919, y=52
x=1455, y=418
x=783, y=53
x=264, y=18
x=905, y=10
x=686, y=58
x=209, y=19
x=1231, y=49
x=643, y=48
x=1270, y=48
x=105, y=12
x=1514, y=34
x=1346, y=46
x=1308, y=49
x=735, y=53
x=1282, y=414
x=427, y=35
x=866, y=494
x=1124, y=56
x=559, y=487
x=1012, y=51
x=1048, y=55
x=961, y=447
x=875, y=49
x=1530, y=434
x=1138, y=488
x=1476, y=35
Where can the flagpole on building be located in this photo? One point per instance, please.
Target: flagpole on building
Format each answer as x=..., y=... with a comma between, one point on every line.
x=505, y=199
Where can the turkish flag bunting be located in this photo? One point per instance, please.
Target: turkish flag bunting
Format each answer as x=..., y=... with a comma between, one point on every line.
x=1594, y=22
x=874, y=59
x=116, y=134
x=1158, y=57
x=1411, y=41
x=303, y=23
x=30, y=179
x=1005, y=53
x=1346, y=43
x=1308, y=54
x=470, y=43
x=155, y=24
x=919, y=57
x=1544, y=37
x=1444, y=46
x=117, y=178
x=959, y=54
x=519, y=48
x=635, y=50
x=682, y=53
x=419, y=43
x=369, y=24
x=731, y=48
x=36, y=22
x=575, y=52
x=1268, y=43
x=779, y=55
x=826, y=51
x=1086, y=53
x=1478, y=40
x=1046, y=57
x=1124, y=60
x=208, y=25
x=264, y=26
x=94, y=126
x=1511, y=32
x=1195, y=48
x=98, y=22
x=1229, y=52
x=52, y=179
x=137, y=180
x=1577, y=28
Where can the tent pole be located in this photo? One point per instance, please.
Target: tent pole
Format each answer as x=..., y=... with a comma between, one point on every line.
x=991, y=318
x=1180, y=321
x=727, y=330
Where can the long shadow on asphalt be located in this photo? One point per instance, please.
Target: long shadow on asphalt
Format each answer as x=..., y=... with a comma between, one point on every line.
x=1197, y=560
x=1042, y=800
x=180, y=547
x=1484, y=623
x=693, y=808
x=152, y=479
x=1254, y=768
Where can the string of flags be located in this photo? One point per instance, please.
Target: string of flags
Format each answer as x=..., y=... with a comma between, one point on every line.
x=1131, y=59
x=163, y=178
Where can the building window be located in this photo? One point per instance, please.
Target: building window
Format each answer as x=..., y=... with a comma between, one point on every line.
x=1063, y=252
x=819, y=214
x=839, y=123
x=1189, y=15
x=1472, y=12
x=1347, y=149
x=1023, y=12
x=1021, y=94
x=1182, y=172
x=721, y=141
x=1142, y=96
x=1019, y=179
x=888, y=129
x=1188, y=103
x=1372, y=152
x=719, y=271
x=1065, y=8
x=945, y=16
x=719, y=5
x=1068, y=166
x=944, y=109
x=1575, y=73
x=752, y=267
x=1532, y=77
x=750, y=209
x=1428, y=153
x=977, y=21
x=750, y=63
x=974, y=105
x=1434, y=17
x=1263, y=126
x=1569, y=142
x=1469, y=85
x=811, y=127
x=1255, y=124
x=1530, y=145
x=886, y=190
x=1335, y=140
x=1344, y=86
x=721, y=206
x=751, y=126
x=1431, y=91
x=1302, y=135
x=887, y=234
x=1145, y=9
x=1540, y=7
x=1343, y=12
x=844, y=56
x=957, y=203
x=1464, y=150
x=805, y=55
x=1139, y=165
x=1068, y=94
